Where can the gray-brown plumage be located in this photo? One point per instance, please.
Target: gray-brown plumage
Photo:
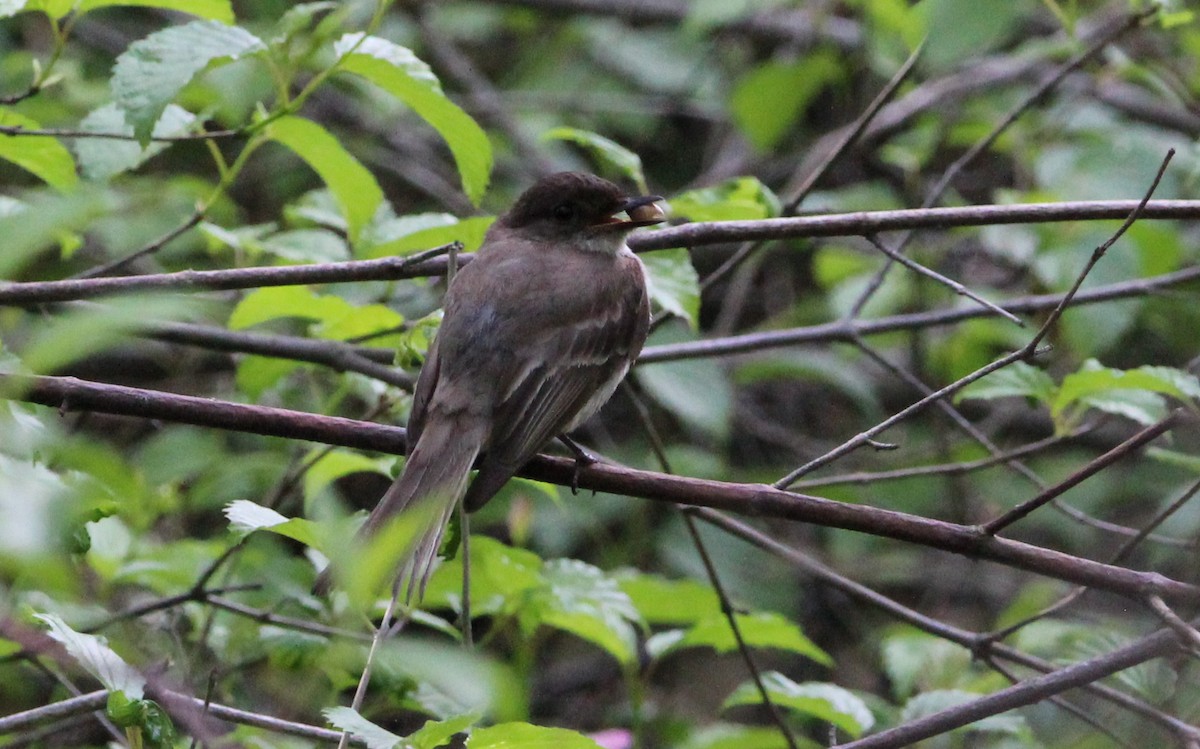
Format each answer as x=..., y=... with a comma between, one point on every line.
x=538, y=331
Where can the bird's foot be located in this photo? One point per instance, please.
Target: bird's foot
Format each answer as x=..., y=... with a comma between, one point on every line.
x=583, y=459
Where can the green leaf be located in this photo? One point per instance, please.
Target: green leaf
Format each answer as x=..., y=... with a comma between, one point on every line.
x=82, y=331
x=306, y=246
x=103, y=158
x=673, y=283
x=663, y=601
x=349, y=720
x=335, y=464
x=437, y=733
x=272, y=303
x=1018, y=379
x=759, y=630
x=961, y=28
x=408, y=234
x=733, y=736
x=740, y=198
x=527, y=736
x=397, y=70
x=501, y=576
x=353, y=187
x=1131, y=393
x=605, y=151
x=766, y=102
x=245, y=517
x=216, y=10
x=149, y=74
x=257, y=374
x=696, y=391
x=41, y=155
x=99, y=660
x=825, y=702
x=28, y=227
x=579, y=598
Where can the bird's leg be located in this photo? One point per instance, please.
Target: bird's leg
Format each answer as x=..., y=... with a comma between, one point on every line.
x=583, y=459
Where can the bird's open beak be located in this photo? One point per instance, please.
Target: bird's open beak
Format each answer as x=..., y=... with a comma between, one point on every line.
x=640, y=211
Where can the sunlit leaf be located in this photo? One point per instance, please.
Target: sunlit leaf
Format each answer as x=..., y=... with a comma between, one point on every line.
x=352, y=186
x=527, y=736
x=41, y=155
x=216, y=10
x=759, y=630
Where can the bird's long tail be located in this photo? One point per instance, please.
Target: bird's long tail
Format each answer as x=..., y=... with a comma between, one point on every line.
x=434, y=480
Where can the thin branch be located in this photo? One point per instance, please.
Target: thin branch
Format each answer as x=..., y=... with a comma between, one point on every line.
x=981, y=646
x=1121, y=451
x=380, y=269
x=69, y=393
x=1028, y=692
x=17, y=130
x=1189, y=637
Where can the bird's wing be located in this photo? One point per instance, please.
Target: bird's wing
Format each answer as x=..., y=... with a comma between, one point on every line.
x=422, y=394
x=577, y=365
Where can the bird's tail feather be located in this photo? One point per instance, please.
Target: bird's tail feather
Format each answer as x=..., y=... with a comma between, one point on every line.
x=434, y=479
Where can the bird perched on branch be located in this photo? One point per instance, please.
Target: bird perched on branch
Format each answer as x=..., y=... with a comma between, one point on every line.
x=538, y=331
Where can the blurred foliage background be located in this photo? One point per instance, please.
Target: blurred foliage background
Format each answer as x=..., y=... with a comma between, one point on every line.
x=594, y=612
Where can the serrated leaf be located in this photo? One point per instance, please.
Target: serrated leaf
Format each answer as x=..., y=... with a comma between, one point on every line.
x=102, y=158
x=501, y=577
x=41, y=155
x=246, y=517
x=397, y=70
x=527, y=736
x=826, y=702
x=605, y=151
x=1018, y=379
x=216, y=10
x=673, y=283
x=740, y=198
x=99, y=660
x=349, y=720
x=759, y=630
x=353, y=187
x=153, y=70
x=579, y=598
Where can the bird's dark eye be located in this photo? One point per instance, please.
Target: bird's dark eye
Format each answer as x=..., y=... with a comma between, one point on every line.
x=564, y=212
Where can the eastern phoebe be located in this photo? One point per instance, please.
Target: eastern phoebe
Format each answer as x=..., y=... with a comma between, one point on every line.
x=538, y=331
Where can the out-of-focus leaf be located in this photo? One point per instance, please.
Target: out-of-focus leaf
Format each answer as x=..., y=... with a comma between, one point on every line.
x=961, y=28
x=696, y=391
x=740, y=198
x=102, y=158
x=246, y=517
x=397, y=70
x=216, y=10
x=527, y=736
x=149, y=74
x=439, y=231
x=759, y=630
x=349, y=720
x=673, y=283
x=605, y=151
x=929, y=703
x=501, y=576
x=735, y=736
x=306, y=246
x=767, y=101
x=97, y=658
x=437, y=733
x=335, y=464
x=79, y=332
x=662, y=601
x=826, y=702
x=271, y=303
x=41, y=155
x=1018, y=379
x=353, y=187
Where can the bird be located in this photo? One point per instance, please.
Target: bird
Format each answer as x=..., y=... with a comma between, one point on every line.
x=537, y=332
